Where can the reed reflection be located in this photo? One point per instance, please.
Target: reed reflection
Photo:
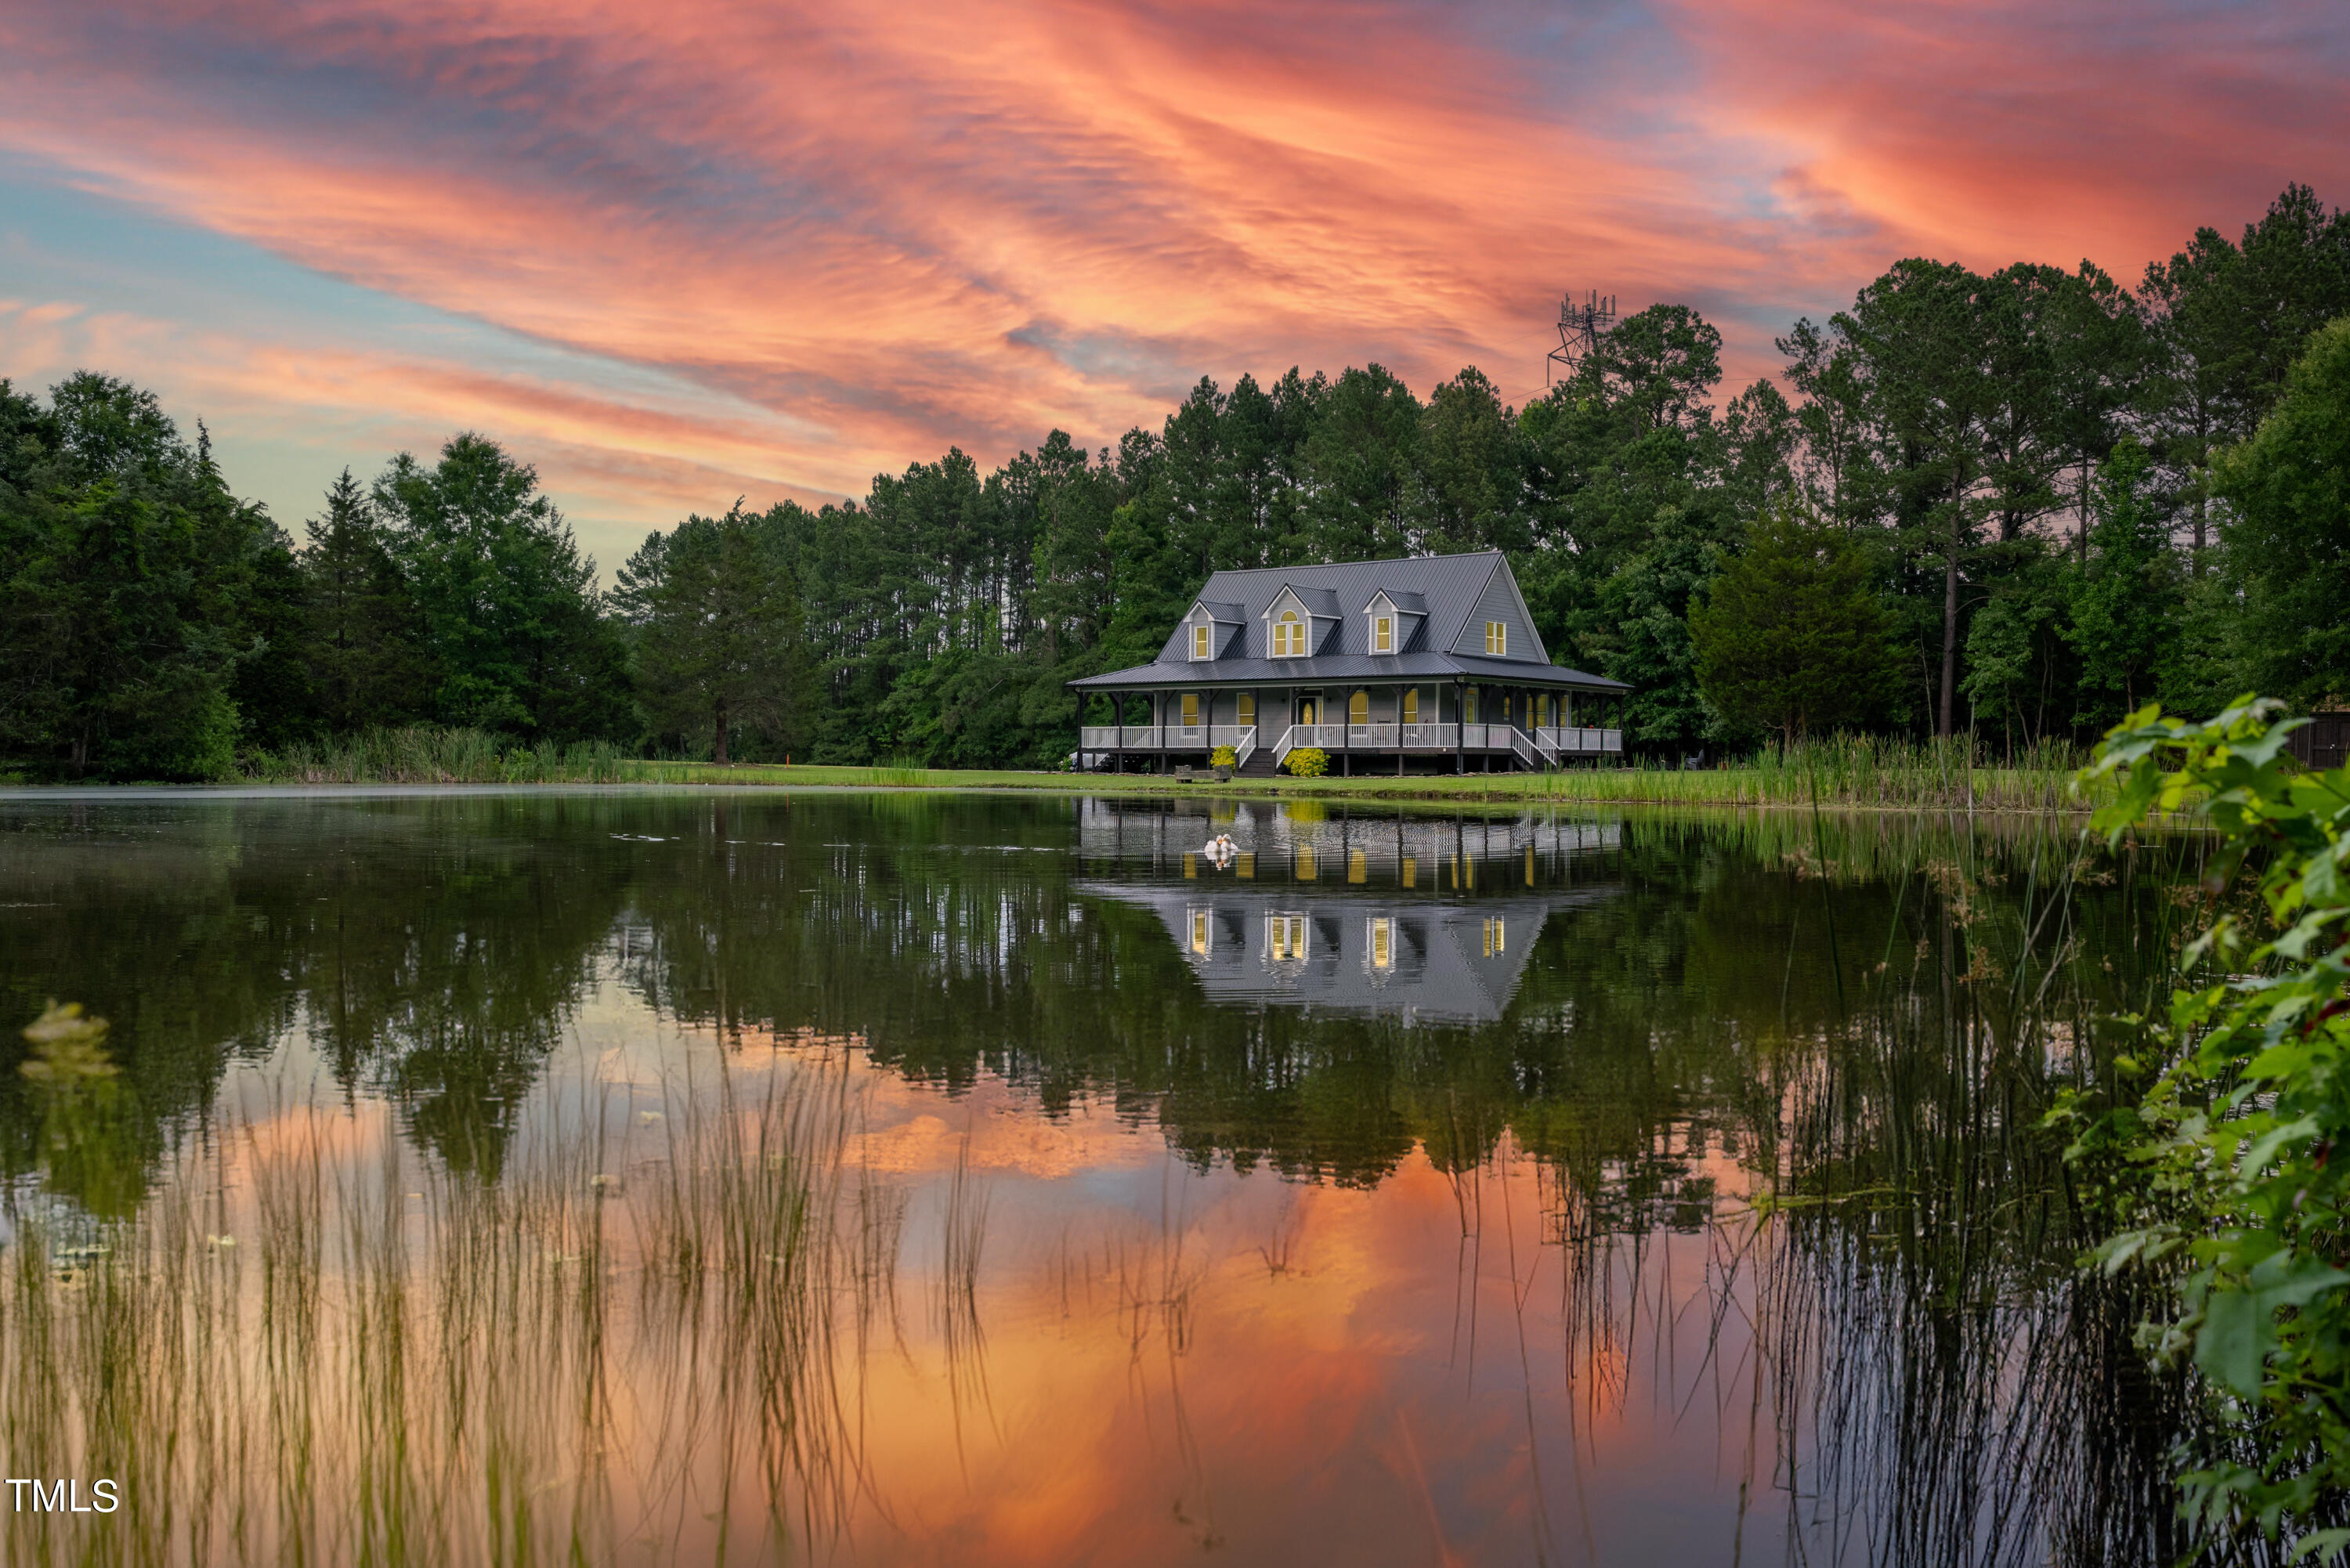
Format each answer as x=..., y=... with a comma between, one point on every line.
x=1428, y=1164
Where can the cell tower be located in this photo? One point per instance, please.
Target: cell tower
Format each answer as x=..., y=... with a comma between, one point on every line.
x=1579, y=327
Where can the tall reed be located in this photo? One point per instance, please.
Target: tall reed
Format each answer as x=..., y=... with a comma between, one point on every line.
x=314, y=1346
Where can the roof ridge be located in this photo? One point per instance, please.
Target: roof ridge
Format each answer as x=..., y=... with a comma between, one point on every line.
x=1335, y=566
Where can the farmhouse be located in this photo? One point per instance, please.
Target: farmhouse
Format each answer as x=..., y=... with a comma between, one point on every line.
x=1429, y=662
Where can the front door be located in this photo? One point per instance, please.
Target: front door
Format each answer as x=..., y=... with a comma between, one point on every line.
x=1309, y=709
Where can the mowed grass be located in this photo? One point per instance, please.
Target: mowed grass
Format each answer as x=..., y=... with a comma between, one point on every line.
x=1845, y=771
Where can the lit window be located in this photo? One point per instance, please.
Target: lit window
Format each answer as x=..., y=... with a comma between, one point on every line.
x=1190, y=710
x=1497, y=638
x=1199, y=931
x=1410, y=872
x=1289, y=637
x=1383, y=635
x=1285, y=937
x=1247, y=708
x=1470, y=712
x=1306, y=869
x=1199, y=642
x=1383, y=944
x=1359, y=708
x=1411, y=705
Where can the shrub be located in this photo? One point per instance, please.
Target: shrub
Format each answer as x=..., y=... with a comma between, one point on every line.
x=2222, y=1174
x=1309, y=763
x=1223, y=757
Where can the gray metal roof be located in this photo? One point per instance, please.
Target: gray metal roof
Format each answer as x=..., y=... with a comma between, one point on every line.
x=1401, y=667
x=1402, y=956
x=1316, y=600
x=1445, y=590
x=1224, y=612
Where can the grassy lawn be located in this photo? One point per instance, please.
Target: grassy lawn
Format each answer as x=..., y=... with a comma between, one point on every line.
x=1908, y=789
x=1867, y=773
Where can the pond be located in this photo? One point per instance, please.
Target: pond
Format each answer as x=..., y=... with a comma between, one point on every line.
x=637, y=1177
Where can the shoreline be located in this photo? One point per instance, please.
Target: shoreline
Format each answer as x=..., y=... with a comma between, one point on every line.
x=2016, y=792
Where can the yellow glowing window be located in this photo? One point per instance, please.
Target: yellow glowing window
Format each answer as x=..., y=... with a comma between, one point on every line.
x=1285, y=937
x=1190, y=865
x=1190, y=710
x=1383, y=634
x=1411, y=705
x=1306, y=870
x=1358, y=868
x=1200, y=642
x=1497, y=637
x=1496, y=938
x=1359, y=708
x=1289, y=637
x=1247, y=708
x=1382, y=944
x=1410, y=872
x=1469, y=711
x=1199, y=930
x=1246, y=865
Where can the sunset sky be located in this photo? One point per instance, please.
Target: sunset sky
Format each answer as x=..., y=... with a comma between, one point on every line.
x=674, y=253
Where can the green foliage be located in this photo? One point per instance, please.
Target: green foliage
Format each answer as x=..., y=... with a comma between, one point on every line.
x=368, y=663
x=1792, y=638
x=2228, y=1187
x=720, y=643
x=2288, y=531
x=510, y=609
x=2126, y=597
x=1309, y=763
x=1223, y=757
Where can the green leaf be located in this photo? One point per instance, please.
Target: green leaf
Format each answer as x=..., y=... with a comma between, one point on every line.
x=2234, y=1341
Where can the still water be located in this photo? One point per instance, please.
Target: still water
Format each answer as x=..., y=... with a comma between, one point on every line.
x=675, y=1177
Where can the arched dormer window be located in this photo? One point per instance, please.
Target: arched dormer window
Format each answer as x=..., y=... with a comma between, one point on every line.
x=1289, y=636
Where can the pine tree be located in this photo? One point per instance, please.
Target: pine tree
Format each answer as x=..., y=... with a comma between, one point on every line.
x=1791, y=638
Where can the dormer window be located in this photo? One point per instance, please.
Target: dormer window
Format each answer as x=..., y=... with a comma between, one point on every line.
x=1383, y=634
x=1497, y=638
x=1203, y=641
x=1289, y=636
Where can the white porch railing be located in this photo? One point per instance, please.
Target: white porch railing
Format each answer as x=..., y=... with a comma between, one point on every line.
x=1440, y=735
x=1097, y=738
x=1282, y=747
x=1572, y=741
x=1244, y=749
x=1523, y=749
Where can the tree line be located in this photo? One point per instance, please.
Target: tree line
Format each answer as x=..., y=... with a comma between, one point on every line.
x=2017, y=503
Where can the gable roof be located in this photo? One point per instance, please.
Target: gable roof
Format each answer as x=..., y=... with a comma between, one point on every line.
x=1446, y=590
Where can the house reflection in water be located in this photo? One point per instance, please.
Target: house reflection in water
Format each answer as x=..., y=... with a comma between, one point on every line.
x=1417, y=919
x=1344, y=952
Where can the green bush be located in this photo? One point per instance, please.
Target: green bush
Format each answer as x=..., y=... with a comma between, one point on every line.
x=1223, y=757
x=1309, y=763
x=2221, y=1177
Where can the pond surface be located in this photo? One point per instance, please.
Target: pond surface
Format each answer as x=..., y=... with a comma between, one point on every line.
x=901, y=1179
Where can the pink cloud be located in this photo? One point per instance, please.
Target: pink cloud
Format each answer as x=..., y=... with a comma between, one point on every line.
x=894, y=229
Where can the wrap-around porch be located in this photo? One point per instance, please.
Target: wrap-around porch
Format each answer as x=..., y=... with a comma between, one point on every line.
x=1364, y=727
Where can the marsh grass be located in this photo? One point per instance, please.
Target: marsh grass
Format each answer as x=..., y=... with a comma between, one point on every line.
x=1845, y=773
x=423, y=754
x=313, y=1346
x=1933, y=1380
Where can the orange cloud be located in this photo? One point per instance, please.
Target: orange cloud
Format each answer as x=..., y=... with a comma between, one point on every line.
x=857, y=235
